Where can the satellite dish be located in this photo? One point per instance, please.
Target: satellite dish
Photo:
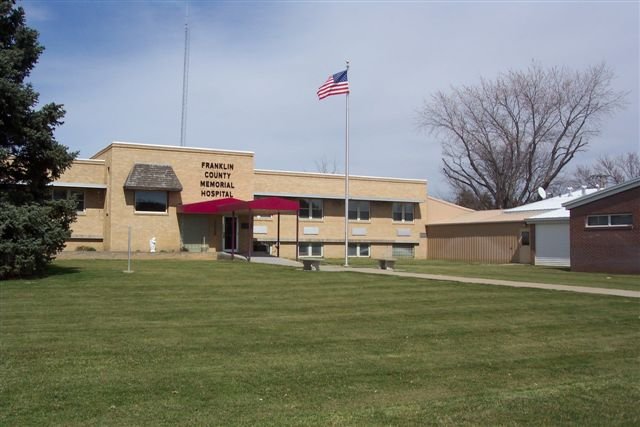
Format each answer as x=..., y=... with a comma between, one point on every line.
x=542, y=193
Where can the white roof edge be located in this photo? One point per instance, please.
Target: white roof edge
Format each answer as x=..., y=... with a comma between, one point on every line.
x=171, y=147
x=539, y=220
x=337, y=175
x=605, y=192
x=337, y=197
x=96, y=161
x=77, y=185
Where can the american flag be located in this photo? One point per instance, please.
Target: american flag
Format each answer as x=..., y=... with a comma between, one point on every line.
x=336, y=84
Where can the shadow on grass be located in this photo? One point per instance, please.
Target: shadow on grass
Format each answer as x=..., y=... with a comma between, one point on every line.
x=58, y=270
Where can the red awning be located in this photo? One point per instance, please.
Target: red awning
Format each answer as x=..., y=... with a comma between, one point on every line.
x=209, y=207
x=274, y=204
x=266, y=205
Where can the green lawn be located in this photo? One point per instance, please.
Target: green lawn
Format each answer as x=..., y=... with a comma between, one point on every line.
x=221, y=343
x=517, y=272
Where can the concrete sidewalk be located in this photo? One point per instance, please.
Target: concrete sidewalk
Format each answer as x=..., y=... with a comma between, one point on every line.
x=495, y=282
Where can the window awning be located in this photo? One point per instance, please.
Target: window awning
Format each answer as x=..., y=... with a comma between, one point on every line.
x=152, y=177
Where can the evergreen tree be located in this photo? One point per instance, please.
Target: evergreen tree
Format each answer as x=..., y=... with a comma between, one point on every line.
x=33, y=228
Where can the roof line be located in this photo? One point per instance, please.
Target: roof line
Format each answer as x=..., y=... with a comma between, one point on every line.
x=337, y=197
x=619, y=188
x=169, y=148
x=338, y=176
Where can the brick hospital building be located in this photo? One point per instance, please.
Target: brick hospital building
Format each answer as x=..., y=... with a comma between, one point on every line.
x=209, y=200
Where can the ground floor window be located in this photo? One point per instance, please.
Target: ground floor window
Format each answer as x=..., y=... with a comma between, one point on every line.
x=402, y=250
x=151, y=201
x=262, y=247
x=67, y=194
x=359, y=249
x=611, y=220
x=310, y=249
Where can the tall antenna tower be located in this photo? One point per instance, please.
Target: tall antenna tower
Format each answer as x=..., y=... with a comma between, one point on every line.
x=185, y=79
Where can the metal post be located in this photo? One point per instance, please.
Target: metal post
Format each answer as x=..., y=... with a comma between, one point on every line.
x=278, y=238
x=346, y=183
x=129, y=251
x=185, y=79
x=233, y=234
x=297, y=233
x=250, y=234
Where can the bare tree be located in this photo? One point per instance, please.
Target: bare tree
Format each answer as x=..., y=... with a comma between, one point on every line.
x=505, y=138
x=325, y=166
x=608, y=170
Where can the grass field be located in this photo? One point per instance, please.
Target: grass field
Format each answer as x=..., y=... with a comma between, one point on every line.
x=517, y=272
x=220, y=343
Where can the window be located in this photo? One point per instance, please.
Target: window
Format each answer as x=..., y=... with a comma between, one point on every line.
x=359, y=210
x=359, y=249
x=612, y=220
x=311, y=209
x=524, y=238
x=402, y=250
x=66, y=194
x=311, y=249
x=151, y=201
x=403, y=212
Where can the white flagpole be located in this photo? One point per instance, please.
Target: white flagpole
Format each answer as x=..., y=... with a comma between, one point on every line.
x=346, y=182
x=185, y=79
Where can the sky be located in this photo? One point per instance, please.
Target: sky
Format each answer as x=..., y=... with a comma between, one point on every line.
x=117, y=67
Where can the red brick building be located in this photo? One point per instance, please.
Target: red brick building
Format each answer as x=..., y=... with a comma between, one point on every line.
x=605, y=230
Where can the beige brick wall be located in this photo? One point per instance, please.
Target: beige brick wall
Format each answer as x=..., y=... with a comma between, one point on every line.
x=333, y=185
x=189, y=164
x=440, y=210
x=91, y=221
x=85, y=171
x=110, y=212
x=88, y=229
x=381, y=230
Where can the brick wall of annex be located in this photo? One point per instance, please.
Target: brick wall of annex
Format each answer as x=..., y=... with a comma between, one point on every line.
x=612, y=250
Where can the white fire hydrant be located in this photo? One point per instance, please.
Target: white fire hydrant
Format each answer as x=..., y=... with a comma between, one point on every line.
x=152, y=245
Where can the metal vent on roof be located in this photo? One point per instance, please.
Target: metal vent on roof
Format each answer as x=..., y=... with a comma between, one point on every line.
x=152, y=177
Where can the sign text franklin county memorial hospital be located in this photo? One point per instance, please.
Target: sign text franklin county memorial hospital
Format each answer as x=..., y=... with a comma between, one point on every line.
x=216, y=180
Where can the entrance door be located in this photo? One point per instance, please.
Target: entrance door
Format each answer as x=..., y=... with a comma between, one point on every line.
x=525, y=246
x=229, y=224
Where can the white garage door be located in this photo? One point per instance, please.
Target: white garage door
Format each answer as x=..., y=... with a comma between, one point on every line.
x=552, y=244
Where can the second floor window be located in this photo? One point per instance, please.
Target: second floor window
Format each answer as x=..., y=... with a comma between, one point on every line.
x=402, y=212
x=359, y=210
x=311, y=209
x=65, y=194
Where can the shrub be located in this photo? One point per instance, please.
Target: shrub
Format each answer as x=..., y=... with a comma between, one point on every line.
x=85, y=249
x=31, y=235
